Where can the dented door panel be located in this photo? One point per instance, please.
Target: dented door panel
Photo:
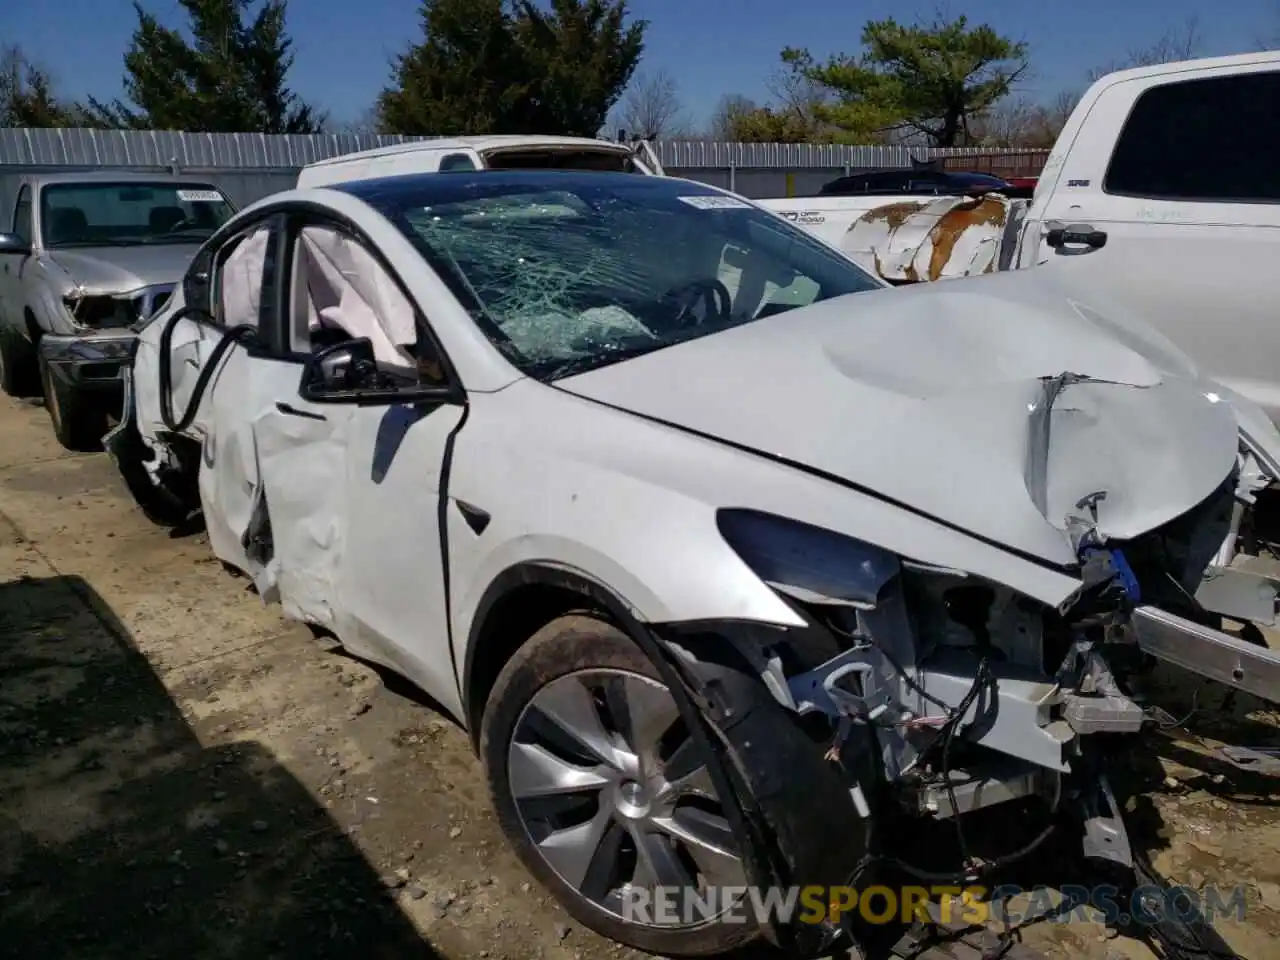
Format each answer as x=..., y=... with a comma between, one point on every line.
x=296, y=540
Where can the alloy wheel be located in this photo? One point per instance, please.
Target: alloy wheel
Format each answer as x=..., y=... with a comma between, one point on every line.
x=615, y=797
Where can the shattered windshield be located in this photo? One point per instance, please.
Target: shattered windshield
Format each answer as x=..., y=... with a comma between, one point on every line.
x=567, y=272
x=129, y=214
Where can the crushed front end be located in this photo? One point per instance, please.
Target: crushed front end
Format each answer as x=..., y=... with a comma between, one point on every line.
x=106, y=328
x=916, y=691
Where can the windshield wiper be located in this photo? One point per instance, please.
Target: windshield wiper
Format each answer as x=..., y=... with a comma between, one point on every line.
x=104, y=242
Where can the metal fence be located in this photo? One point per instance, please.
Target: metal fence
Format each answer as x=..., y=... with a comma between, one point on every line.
x=248, y=166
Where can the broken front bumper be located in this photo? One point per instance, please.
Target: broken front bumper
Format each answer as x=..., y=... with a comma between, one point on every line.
x=1208, y=652
x=89, y=361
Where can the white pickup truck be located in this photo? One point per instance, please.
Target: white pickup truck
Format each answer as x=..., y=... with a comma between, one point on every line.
x=1161, y=194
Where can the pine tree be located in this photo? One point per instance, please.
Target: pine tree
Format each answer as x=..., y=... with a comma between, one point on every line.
x=27, y=98
x=493, y=66
x=229, y=78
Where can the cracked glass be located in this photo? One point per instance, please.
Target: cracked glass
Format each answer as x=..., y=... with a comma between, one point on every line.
x=567, y=272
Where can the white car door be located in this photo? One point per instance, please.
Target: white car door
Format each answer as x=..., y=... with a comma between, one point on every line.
x=389, y=586
x=1184, y=214
x=271, y=468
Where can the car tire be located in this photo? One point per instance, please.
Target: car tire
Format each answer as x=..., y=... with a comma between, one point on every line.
x=79, y=422
x=18, y=373
x=166, y=504
x=568, y=664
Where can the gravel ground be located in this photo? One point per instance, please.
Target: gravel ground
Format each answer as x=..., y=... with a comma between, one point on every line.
x=185, y=774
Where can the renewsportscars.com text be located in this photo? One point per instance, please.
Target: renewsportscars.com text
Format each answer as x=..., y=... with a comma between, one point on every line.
x=1107, y=904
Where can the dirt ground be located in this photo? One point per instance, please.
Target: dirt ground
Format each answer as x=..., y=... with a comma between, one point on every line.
x=185, y=774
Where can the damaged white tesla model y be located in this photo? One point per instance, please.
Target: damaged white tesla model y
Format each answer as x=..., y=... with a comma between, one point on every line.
x=723, y=552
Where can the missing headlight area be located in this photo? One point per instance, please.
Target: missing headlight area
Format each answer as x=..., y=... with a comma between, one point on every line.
x=109, y=311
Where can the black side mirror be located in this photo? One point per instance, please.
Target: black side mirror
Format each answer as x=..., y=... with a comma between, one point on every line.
x=348, y=373
x=11, y=243
x=339, y=372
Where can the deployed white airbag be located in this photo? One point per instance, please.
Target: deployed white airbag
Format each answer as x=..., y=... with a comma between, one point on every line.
x=347, y=289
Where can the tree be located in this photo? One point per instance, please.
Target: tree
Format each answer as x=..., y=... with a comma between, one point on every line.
x=365, y=122
x=652, y=108
x=26, y=95
x=795, y=92
x=793, y=115
x=1269, y=37
x=771, y=125
x=1023, y=123
x=462, y=77
x=723, y=124
x=229, y=78
x=931, y=78
x=1183, y=42
x=1008, y=123
x=1052, y=117
x=511, y=66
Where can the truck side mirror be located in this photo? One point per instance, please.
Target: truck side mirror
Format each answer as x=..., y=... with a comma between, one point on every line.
x=11, y=243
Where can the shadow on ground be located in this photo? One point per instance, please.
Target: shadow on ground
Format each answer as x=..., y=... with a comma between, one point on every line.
x=121, y=836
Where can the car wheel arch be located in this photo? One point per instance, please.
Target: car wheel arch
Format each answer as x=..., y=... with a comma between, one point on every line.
x=517, y=603
x=34, y=330
x=491, y=646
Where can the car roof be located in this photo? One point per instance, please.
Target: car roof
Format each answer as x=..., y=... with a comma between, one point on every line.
x=478, y=144
x=103, y=176
x=973, y=176
x=958, y=178
x=1191, y=67
x=445, y=188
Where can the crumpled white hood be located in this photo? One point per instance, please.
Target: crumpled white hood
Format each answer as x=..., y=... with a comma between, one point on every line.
x=995, y=404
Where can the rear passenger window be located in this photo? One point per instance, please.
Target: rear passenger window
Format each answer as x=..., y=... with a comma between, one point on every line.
x=455, y=162
x=1212, y=140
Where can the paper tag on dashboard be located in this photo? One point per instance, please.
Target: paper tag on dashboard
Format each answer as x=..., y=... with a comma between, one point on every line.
x=715, y=203
x=200, y=196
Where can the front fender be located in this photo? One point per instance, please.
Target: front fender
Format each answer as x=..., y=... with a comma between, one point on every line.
x=634, y=504
x=43, y=285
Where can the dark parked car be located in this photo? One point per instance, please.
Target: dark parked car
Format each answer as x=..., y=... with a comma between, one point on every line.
x=907, y=180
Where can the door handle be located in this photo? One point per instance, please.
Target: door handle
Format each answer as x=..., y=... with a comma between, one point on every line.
x=295, y=412
x=1081, y=234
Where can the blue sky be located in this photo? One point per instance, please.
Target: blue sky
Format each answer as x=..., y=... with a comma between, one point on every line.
x=711, y=47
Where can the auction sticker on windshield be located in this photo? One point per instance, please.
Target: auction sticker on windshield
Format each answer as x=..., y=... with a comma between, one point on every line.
x=716, y=203
x=200, y=196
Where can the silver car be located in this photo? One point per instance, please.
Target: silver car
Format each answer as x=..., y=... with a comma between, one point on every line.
x=86, y=257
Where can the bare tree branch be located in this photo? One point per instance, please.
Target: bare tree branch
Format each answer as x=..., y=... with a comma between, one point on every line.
x=1183, y=42
x=1269, y=37
x=365, y=122
x=726, y=118
x=651, y=108
x=795, y=92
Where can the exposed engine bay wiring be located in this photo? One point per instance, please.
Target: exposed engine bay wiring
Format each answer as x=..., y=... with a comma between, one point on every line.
x=971, y=869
